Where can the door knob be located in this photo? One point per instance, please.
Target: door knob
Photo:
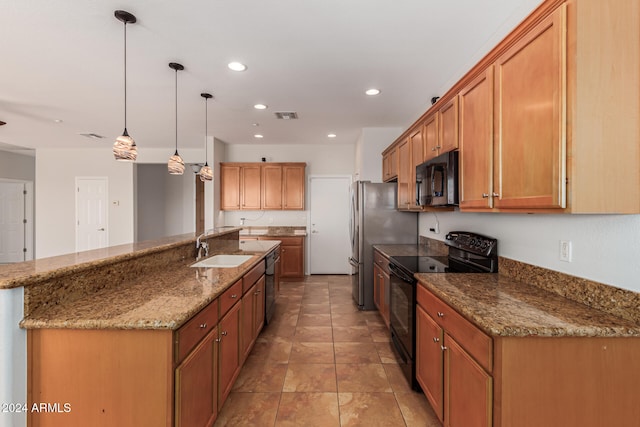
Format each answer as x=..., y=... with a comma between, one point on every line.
x=100, y=229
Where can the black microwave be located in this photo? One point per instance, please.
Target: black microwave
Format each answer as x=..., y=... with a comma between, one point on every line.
x=437, y=181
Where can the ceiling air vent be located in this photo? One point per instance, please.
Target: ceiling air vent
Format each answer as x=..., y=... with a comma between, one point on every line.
x=92, y=135
x=286, y=115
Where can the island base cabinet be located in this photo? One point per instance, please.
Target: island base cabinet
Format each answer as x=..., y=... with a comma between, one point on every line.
x=229, y=350
x=196, y=385
x=566, y=381
x=87, y=377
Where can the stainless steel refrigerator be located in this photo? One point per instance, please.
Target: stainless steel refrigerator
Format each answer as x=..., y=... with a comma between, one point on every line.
x=375, y=220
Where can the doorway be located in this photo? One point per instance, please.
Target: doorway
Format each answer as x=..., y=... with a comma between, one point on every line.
x=16, y=221
x=92, y=222
x=329, y=247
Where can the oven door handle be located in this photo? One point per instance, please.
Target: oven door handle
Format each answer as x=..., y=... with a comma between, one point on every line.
x=401, y=274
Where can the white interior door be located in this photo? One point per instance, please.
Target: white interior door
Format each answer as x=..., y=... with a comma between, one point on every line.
x=12, y=222
x=329, y=246
x=91, y=214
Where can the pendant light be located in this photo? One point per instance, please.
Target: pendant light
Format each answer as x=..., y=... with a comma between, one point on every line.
x=176, y=164
x=124, y=148
x=206, y=174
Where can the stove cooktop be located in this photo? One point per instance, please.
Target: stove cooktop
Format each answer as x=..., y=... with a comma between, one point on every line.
x=422, y=264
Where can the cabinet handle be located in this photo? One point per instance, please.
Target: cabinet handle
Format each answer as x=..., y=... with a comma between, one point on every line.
x=440, y=314
x=203, y=326
x=438, y=147
x=495, y=195
x=234, y=296
x=443, y=348
x=257, y=292
x=436, y=339
x=223, y=333
x=485, y=195
x=217, y=340
x=433, y=149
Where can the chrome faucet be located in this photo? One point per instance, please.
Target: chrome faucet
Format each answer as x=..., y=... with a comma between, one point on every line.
x=200, y=245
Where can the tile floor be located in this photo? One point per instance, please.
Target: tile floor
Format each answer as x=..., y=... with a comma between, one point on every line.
x=321, y=362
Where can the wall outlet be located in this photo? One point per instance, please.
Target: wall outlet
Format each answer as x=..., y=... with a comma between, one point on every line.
x=565, y=250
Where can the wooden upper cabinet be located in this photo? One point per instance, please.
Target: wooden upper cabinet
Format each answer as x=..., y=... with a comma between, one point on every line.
x=530, y=105
x=262, y=186
x=390, y=164
x=476, y=142
x=230, y=187
x=448, y=132
x=251, y=187
x=293, y=186
x=271, y=187
x=404, y=174
x=431, y=143
x=417, y=157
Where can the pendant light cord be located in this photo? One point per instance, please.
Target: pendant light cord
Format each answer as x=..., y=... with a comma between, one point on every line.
x=176, y=111
x=206, y=130
x=125, y=76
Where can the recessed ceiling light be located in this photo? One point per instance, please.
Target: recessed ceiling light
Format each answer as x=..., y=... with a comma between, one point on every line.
x=236, y=66
x=255, y=124
x=57, y=121
x=372, y=92
x=257, y=135
x=331, y=135
x=260, y=107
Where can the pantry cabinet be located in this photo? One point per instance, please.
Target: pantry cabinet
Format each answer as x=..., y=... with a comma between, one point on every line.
x=262, y=186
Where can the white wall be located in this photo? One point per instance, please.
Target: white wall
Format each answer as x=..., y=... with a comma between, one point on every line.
x=56, y=171
x=320, y=159
x=606, y=248
x=368, y=151
x=17, y=166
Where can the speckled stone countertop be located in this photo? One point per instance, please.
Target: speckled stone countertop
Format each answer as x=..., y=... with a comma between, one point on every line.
x=273, y=231
x=412, y=250
x=503, y=306
x=32, y=272
x=161, y=300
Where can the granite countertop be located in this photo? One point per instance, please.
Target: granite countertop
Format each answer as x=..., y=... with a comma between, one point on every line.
x=503, y=306
x=409, y=250
x=31, y=272
x=273, y=231
x=159, y=300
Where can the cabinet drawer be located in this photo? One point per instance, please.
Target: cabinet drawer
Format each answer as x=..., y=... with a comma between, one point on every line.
x=381, y=260
x=290, y=240
x=195, y=329
x=473, y=340
x=252, y=276
x=230, y=297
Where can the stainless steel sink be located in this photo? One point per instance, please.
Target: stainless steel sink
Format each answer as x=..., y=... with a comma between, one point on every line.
x=222, y=261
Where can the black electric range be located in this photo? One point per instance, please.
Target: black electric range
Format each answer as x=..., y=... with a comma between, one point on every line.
x=468, y=253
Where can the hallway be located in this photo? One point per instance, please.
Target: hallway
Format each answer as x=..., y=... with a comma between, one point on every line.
x=321, y=362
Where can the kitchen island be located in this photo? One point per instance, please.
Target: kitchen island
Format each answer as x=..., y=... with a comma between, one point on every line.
x=134, y=335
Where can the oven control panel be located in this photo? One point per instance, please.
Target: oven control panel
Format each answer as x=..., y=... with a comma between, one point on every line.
x=472, y=242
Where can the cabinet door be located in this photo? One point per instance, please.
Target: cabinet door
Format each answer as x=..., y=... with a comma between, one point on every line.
x=271, y=187
x=246, y=322
x=431, y=136
x=258, y=307
x=250, y=187
x=393, y=164
x=468, y=389
x=417, y=156
x=229, y=360
x=430, y=360
x=230, y=187
x=530, y=100
x=404, y=174
x=377, y=284
x=476, y=142
x=293, y=187
x=385, y=297
x=196, y=385
x=448, y=136
x=291, y=261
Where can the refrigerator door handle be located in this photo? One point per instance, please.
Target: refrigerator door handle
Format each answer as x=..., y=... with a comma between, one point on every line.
x=354, y=262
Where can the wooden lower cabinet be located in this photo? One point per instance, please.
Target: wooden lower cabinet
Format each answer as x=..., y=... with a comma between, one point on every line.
x=196, y=383
x=291, y=256
x=229, y=360
x=252, y=316
x=471, y=379
x=381, y=289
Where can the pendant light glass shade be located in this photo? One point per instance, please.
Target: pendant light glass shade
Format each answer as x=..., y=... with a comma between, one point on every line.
x=175, y=166
x=124, y=148
x=206, y=174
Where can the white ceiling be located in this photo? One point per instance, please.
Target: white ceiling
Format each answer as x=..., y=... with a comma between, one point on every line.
x=63, y=60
